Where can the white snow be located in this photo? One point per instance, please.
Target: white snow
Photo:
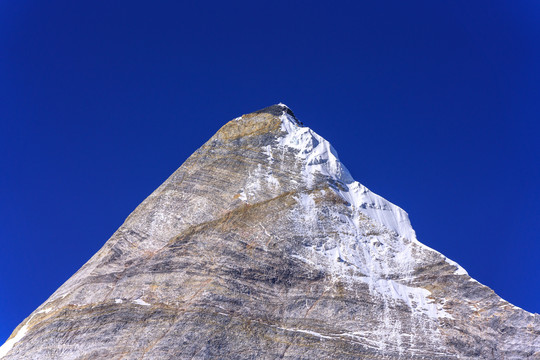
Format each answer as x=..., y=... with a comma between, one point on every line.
x=268, y=152
x=242, y=196
x=118, y=301
x=8, y=345
x=307, y=332
x=141, y=302
x=321, y=157
x=459, y=269
x=272, y=180
x=388, y=250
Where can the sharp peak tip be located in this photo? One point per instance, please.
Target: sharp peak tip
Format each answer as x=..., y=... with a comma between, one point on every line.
x=278, y=110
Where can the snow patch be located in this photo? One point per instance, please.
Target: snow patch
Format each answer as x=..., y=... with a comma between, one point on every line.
x=267, y=150
x=359, y=254
x=242, y=196
x=272, y=180
x=141, y=302
x=308, y=332
x=459, y=270
x=8, y=345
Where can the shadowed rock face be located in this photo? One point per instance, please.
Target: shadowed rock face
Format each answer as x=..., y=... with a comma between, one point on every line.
x=262, y=246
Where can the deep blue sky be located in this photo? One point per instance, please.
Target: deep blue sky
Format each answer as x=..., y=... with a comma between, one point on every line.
x=433, y=105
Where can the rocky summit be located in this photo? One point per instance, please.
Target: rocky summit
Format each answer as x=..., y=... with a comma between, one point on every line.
x=262, y=246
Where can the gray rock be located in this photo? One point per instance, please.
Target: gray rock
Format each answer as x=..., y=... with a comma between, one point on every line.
x=262, y=246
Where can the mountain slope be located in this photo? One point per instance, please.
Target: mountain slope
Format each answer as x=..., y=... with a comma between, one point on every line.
x=262, y=246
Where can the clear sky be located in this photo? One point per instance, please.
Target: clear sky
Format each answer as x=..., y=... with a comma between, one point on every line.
x=432, y=104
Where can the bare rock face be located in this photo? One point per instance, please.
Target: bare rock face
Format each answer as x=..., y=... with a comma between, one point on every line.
x=262, y=246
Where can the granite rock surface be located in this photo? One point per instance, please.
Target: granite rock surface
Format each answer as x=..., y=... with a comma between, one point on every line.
x=262, y=246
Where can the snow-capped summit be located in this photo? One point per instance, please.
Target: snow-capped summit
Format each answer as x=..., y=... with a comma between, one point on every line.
x=262, y=245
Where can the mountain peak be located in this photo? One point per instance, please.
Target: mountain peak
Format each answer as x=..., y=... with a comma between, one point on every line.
x=278, y=110
x=263, y=245
x=270, y=120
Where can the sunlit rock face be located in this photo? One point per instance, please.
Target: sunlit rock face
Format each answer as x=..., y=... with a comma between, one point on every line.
x=262, y=246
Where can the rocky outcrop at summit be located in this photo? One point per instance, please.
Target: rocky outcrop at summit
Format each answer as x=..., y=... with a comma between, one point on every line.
x=262, y=246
